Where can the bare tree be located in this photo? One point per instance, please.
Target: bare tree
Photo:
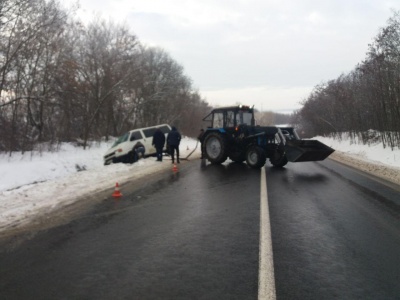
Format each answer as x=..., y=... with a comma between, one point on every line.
x=366, y=98
x=28, y=39
x=61, y=80
x=100, y=65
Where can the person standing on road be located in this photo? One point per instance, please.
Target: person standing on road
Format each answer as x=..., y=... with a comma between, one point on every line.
x=158, y=143
x=173, y=141
x=201, y=138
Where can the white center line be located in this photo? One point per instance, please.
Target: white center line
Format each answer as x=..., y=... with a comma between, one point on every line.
x=266, y=278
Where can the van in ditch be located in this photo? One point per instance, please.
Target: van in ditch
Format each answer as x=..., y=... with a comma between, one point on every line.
x=128, y=147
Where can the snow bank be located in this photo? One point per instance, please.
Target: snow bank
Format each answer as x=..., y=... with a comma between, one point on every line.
x=36, y=184
x=372, y=158
x=33, y=167
x=373, y=152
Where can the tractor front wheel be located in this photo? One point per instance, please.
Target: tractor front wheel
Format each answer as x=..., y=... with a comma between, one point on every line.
x=215, y=148
x=255, y=157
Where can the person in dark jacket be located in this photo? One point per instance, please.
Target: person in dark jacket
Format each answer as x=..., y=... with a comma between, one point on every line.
x=158, y=143
x=173, y=141
x=201, y=139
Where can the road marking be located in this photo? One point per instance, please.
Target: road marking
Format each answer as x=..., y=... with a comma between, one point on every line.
x=266, y=278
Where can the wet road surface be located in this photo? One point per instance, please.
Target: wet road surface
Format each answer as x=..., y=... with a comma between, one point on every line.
x=195, y=235
x=335, y=235
x=190, y=235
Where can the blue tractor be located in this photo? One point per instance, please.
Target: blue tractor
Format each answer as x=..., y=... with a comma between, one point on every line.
x=231, y=133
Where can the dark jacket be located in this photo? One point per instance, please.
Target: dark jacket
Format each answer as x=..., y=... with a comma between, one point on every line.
x=174, y=137
x=200, y=137
x=158, y=139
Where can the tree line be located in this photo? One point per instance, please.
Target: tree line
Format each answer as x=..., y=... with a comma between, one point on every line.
x=270, y=118
x=62, y=80
x=363, y=102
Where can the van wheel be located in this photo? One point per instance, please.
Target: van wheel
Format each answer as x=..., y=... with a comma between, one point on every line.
x=132, y=157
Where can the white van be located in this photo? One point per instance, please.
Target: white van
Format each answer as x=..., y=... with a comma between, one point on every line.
x=129, y=146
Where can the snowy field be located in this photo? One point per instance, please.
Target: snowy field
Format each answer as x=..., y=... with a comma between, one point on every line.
x=35, y=184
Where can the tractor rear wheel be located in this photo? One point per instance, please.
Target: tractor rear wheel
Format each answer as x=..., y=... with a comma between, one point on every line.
x=278, y=159
x=215, y=148
x=255, y=157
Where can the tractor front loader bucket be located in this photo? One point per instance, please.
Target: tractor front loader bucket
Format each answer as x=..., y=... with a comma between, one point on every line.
x=306, y=150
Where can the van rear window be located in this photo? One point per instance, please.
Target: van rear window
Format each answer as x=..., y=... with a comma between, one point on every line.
x=165, y=129
x=149, y=132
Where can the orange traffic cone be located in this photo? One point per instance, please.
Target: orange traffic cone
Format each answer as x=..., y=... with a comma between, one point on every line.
x=116, y=193
x=175, y=168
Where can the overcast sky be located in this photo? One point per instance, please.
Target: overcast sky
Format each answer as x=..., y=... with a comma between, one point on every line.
x=267, y=53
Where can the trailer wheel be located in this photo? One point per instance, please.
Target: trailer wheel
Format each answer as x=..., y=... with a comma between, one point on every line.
x=215, y=148
x=255, y=157
x=278, y=159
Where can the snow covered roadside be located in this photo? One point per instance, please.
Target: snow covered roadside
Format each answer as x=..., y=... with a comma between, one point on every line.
x=35, y=185
x=372, y=159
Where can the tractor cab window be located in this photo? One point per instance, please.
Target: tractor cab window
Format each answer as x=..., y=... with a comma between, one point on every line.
x=218, y=120
x=244, y=117
x=230, y=118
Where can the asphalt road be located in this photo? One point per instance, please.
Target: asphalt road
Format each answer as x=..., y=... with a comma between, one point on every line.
x=194, y=234
x=335, y=234
x=186, y=235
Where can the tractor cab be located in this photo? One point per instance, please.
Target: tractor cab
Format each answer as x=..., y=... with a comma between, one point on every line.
x=230, y=117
